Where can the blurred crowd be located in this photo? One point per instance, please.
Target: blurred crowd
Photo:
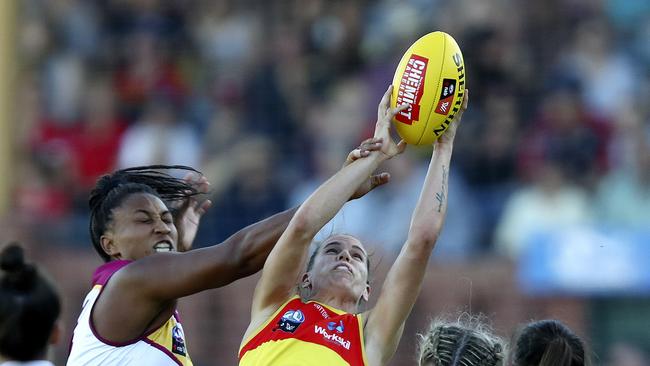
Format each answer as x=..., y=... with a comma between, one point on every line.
x=266, y=98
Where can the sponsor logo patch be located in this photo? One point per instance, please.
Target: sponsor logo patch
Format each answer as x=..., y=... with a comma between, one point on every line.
x=332, y=337
x=411, y=87
x=446, y=96
x=321, y=310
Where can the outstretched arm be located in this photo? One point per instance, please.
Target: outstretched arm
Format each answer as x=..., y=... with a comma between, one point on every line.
x=149, y=286
x=401, y=288
x=286, y=261
x=152, y=283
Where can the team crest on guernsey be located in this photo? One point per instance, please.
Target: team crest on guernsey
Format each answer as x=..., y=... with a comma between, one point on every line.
x=339, y=328
x=178, y=340
x=291, y=320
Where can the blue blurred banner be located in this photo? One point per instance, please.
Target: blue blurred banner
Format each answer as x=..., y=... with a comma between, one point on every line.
x=586, y=261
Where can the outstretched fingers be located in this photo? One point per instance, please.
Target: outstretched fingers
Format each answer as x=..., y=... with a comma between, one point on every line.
x=379, y=179
x=401, y=146
x=398, y=109
x=384, y=104
x=364, y=149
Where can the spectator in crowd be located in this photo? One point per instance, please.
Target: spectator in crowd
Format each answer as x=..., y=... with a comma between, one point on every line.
x=98, y=140
x=626, y=354
x=252, y=190
x=623, y=196
x=568, y=133
x=159, y=137
x=550, y=204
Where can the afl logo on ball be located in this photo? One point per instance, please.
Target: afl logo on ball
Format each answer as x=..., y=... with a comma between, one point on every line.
x=446, y=96
x=291, y=320
x=411, y=87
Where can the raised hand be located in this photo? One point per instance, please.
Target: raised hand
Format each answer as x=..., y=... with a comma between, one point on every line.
x=364, y=149
x=385, y=115
x=447, y=138
x=188, y=214
x=374, y=181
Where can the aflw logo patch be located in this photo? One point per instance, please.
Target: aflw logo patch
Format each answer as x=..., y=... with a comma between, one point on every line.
x=291, y=320
x=178, y=340
x=411, y=88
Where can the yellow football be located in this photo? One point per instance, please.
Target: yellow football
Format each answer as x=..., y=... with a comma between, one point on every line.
x=430, y=78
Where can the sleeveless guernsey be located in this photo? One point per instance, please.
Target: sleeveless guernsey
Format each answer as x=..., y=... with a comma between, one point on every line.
x=163, y=346
x=306, y=334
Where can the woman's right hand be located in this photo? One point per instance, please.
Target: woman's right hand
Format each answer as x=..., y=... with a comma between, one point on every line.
x=385, y=115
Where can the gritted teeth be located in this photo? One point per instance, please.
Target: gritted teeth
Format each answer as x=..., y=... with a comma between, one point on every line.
x=163, y=246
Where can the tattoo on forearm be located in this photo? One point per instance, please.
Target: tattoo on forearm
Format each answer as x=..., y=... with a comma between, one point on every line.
x=442, y=195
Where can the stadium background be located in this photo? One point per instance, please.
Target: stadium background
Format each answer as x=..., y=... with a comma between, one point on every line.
x=550, y=188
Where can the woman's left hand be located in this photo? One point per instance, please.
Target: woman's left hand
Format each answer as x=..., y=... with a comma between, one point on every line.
x=375, y=180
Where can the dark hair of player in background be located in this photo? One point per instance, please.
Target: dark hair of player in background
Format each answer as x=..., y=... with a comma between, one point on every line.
x=29, y=307
x=549, y=343
x=112, y=189
x=466, y=341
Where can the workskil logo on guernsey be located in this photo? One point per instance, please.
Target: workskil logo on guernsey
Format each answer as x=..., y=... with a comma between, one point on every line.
x=178, y=340
x=333, y=337
x=291, y=320
x=411, y=88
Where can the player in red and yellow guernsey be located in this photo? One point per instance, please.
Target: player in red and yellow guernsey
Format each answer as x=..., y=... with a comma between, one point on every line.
x=324, y=327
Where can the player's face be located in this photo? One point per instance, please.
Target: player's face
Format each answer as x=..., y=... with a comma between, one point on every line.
x=341, y=263
x=141, y=225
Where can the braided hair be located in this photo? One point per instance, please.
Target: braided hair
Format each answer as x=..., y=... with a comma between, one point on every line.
x=112, y=189
x=549, y=342
x=29, y=307
x=464, y=342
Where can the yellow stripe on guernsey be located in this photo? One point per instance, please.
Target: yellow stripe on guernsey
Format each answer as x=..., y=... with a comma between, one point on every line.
x=306, y=334
x=163, y=337
x=291, y=352
x=164, y=346
x=266, y=323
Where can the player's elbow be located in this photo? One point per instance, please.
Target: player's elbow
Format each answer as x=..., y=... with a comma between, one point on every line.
x=302, y=225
